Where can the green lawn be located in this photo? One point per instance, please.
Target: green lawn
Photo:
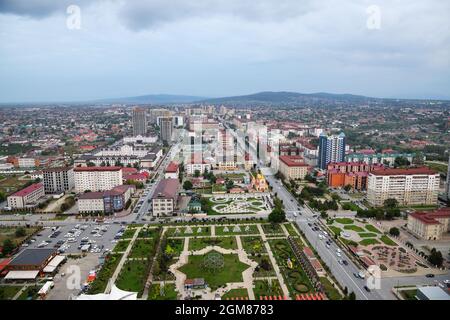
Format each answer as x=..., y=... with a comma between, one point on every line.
x=291, y=229
x=176, y=245
x=224, y=242
x=121, y=246
x=367, y=235
x=230, y=272
x=272, y=228
x=387, y=241
x=253, y=245
x=30, y=293
x=235, y=293
x=354, y=228
x=331, y=292
x=8, y=292
x=336, y=230
x=371, y=228
x=103, y=276
x=409, y=294
x=142, y=248
x=128, y=234
x=264, y=288
x=369, y=241
x=148, y=233
x=133, y=275
x=168, y=293
x=344, y=220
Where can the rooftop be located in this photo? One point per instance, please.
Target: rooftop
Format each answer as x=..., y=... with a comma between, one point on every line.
x=172, y=167
x=408, y=171
x=87, y=169
x=32, y=257
x=167, y=188
x=293, y=161
x=26, y=191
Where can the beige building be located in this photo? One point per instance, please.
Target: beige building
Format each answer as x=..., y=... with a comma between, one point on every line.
x=165, y=197
x=97, y=178
x=431, y=225
x=26, y=197
x=292, y=167
x=414, y=186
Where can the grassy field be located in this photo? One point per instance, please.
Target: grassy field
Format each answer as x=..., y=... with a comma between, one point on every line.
x=371, y=228
x=176, y=245
x=8, y=292
x=291, y=229
x=344, y=220
x=253, y=245
x=224, y=242
x=440, y=167
x=121, y=246
x=110, y=265
x=331, y=292
x=235, y=293
x=11, y=184
x=336, y=230
x=30, y=293
x=132, y=276
x=369, y=241
x=367, y=235
x=271, y=228
x=129, y=233
x=169, y=292
x=142, y=248
x=10, y=233
x=230, y=272
x=263, y=288
x=354, y=228
x=387, y=241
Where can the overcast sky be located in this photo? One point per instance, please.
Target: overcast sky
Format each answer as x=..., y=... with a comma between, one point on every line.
x=222, y=47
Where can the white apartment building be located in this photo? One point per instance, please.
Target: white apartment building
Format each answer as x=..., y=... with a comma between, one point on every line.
x=26, y=197
x=57, y=180
x=414, y=186
x=165, y=197
x=293, y=167
x=97, y=178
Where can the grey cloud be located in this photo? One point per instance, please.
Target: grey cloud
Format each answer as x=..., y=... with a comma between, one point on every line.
x=37, y=9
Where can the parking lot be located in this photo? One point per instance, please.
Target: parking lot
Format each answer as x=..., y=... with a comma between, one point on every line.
x=77, y=238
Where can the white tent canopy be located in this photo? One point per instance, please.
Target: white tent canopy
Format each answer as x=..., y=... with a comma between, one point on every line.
x=22, y=275
x=54, y=263
x=115, y=294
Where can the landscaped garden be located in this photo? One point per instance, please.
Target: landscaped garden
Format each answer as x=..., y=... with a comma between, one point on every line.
x=224, y=242
x=264, y=288
x=236, y=294
x=188, y=231
x=222, y=269
x=121, y=245
x=167, y=293
x=272, y=228
x=236, y=230
x=142, y=248
x=253, y=245
x=104, y=275
x=8, y=292
x=133, y=275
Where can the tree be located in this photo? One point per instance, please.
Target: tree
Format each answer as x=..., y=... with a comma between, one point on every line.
x=2, y=197
x=277, y=216
x=394, y=232
x=20, y=232
x=187, y=185
x=348, y=188
x=390, y=203
x=197, y=173
x=8, y=247
x=229, y=184
x=435, y=257
x=351, y=296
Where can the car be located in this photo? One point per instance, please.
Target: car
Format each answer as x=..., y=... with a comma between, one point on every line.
x=340, y=261
x=366, y=288
x=345, y=262
x=338, y=250
x=338, y=254
x=328, y=246
x=447, y=281
x=429, y=275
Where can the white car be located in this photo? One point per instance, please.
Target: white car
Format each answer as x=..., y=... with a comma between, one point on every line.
x=338, y=254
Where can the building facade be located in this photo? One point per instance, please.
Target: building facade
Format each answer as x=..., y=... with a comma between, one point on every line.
x=414, y=186
x=26, y=197
x=57, y=180
x=97, y=178
x=447, y=185
x=293, y=167
x=331, y=149
x=139, y=122
x=106, y=202
x=165, y=197
x=430, y=225
x=166, y=125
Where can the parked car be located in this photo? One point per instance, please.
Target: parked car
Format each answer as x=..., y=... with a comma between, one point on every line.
x=429, y=275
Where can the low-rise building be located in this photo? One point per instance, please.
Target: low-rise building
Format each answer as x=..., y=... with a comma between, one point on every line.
x=27, y=197
x=172, y=171
x=430, y=225
x=106, y=202
x=413, y=186
x=293, y=167
x=165, y=197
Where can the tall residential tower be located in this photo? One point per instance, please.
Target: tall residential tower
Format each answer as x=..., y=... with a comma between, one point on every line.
x=331, y=149
x=139, y=122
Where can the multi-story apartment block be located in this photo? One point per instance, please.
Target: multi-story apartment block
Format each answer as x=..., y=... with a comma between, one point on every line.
x=354, y=174
x=139, y=122
x=370, y=157
x=293, y=167
x=106, y=202
x=57, y=180
x=97, y=178
x=165, y=198
x=26, y=197
x=331, y=149
x=430, y=225
x=166, y=126
x=447, y=184
x=414, y=186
